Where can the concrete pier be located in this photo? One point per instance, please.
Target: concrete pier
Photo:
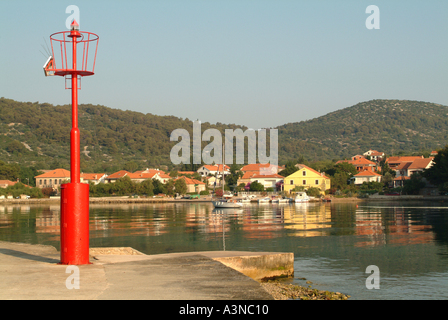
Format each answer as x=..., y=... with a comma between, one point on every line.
x=32, y=272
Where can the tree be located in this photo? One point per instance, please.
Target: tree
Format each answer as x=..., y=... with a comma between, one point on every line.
x=413, y=185
x=438, y=173
x=256, y=186
x=146, y=187
x=180, y=186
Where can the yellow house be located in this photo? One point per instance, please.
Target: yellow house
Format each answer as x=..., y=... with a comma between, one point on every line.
x=307, y=178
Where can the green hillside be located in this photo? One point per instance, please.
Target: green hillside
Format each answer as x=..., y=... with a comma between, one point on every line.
x=37, y=134
x=391, y=126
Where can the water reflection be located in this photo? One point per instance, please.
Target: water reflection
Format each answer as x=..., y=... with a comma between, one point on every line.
x=371, y=226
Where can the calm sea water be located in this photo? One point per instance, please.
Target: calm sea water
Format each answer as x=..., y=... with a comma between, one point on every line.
x=333, y=244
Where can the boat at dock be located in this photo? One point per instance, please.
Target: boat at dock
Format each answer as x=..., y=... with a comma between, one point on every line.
x=224, y=203
x=264, y=200
x=301, y=197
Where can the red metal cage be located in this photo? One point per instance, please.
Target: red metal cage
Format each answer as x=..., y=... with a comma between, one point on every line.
x=64, y=46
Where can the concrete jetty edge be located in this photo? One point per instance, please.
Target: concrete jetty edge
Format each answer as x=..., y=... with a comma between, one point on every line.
x=32, y=272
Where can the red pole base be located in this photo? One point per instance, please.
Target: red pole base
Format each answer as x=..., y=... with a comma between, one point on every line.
x=75, y=224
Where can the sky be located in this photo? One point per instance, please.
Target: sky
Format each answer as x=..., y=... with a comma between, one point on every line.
x=258, y=63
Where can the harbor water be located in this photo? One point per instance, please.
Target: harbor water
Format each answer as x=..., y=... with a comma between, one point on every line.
x=333, y=243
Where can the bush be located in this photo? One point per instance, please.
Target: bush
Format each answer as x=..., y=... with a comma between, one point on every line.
x=204, y=193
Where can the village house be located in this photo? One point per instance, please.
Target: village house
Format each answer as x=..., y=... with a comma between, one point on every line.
x=213, y=170
x=6, y=183
x=52, y=178
x=361, y=163
x=395, y=161
x=116, y=175
x=365, y=176
x=267, y=180
x=306, y=177
x=95, y=178
x=374, y=155
x=193, y=185
x=404, y=170
x=140, y=176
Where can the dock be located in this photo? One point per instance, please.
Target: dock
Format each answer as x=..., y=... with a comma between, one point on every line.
x=32, y=272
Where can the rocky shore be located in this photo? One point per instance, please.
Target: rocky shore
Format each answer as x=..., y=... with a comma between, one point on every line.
x=284, y=291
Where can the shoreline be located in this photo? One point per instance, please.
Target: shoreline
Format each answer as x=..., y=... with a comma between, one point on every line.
x=125, y=199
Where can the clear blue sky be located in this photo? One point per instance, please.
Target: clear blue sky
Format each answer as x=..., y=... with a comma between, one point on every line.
x=259, y=63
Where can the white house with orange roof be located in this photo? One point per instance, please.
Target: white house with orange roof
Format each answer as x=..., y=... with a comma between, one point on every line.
x=116, y=175
x=267, y=180
x=365, y=176
x=52, y=179
x=93, y=177
x=140, y=176
x=207, y=170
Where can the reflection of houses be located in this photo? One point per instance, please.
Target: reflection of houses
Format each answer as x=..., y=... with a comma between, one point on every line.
x=307, y=220
x=365, y=176
x=52, y=179
x=401, y=230
x=306, y=177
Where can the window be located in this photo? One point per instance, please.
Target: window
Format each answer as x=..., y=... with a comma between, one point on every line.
x=55, y=181
x=45, y=182
x=304, y=173
x=50, y=182
x=60, y=181
x=291, y=182
x=317, y=182
x=40, y=181
x=304, y=182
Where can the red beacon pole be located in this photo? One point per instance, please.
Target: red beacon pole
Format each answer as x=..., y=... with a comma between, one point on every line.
x=74, y=195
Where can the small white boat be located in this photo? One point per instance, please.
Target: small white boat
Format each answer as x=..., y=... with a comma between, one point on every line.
x=223, y=203
x=301, y=197
x=284, y=200
x=245, y=200
x=264, y=200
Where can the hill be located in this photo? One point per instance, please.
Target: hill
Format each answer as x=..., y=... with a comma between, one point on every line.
x=37, y=134
x=391, y=126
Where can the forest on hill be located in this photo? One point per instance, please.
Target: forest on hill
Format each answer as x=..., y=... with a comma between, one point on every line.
x=37, y=134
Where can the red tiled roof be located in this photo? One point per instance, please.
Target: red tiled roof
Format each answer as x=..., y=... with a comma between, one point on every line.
x=258, y=166
x=190, y=181
x=92, y=176
x=301, y=166
x=420, y=163
x=403, y=159
x=367, y=173
x=261, y=176
x=118, y=175
x=57, y=173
